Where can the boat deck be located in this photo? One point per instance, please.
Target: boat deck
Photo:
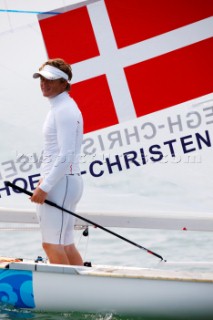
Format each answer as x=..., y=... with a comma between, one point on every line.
x=108, y=271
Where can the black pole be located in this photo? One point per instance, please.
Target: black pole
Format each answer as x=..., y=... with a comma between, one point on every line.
x=12, y=185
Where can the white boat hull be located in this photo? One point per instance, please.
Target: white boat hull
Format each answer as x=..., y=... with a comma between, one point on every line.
x=109, y=289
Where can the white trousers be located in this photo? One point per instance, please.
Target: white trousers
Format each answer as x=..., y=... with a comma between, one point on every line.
x=57, y=226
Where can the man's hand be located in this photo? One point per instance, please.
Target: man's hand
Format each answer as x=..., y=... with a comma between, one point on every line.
x=38, y=196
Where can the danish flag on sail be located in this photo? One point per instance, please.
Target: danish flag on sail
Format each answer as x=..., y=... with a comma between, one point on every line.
x=133, y=57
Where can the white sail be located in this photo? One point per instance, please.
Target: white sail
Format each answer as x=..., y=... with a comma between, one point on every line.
x=142, y=80
x=147, y=152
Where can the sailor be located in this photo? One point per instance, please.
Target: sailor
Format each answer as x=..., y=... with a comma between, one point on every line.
x=61, y=180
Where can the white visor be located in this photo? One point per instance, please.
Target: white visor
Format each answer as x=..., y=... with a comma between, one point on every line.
x=51, y=73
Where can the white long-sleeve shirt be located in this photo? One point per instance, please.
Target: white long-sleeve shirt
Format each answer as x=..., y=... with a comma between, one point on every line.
x=63, y=134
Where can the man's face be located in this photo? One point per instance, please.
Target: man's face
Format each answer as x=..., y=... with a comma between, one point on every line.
x=51, y=88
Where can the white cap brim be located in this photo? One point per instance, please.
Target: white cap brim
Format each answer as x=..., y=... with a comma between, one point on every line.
x=51, y=73
x=46, y=75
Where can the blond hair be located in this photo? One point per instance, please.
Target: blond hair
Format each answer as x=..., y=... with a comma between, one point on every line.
x=61, y=65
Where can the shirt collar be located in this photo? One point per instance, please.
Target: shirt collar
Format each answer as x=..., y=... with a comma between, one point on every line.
x=58, y=99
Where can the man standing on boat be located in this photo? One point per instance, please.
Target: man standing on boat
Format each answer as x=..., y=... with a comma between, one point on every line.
x=61, y=179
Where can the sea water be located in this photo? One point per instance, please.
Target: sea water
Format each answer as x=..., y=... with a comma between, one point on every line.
x=180, y=248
